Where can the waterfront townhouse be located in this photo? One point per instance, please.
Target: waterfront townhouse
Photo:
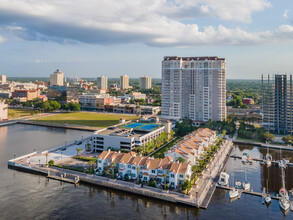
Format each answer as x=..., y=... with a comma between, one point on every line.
x=147, y=168
x=193, y=146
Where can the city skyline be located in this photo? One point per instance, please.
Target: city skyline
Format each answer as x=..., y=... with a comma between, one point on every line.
x=254, y=36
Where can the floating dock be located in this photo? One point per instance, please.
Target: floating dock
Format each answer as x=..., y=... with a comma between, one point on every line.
x=248, y=192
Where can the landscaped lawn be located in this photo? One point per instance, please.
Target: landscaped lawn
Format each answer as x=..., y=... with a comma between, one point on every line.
x=91, y=119
x=16, y=113
x=160, y=153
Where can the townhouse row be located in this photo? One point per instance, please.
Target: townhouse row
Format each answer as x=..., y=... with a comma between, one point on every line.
x=147, y=168
x=193, y=146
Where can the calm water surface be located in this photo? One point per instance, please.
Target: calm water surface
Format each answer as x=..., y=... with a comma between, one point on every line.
x=28, y=196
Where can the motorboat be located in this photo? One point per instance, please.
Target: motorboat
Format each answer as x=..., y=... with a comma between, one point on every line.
x=238, y=184
x=224, y=179
x=233, y=193
x=244, y=157
x=284, y=203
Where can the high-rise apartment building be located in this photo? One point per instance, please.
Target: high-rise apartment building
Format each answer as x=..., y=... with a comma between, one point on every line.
x=145, y=82
x=277, y=103
x=102, y=82
x=124, y=82
x=57, y=78
x=194, y=88
x=2, y=79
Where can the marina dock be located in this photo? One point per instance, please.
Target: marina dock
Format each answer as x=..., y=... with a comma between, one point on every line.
x=260, y=194
x=261, y=160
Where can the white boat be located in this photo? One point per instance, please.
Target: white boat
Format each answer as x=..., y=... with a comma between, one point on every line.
x=268, y=199
x=284, y=204
x=283, y=192
x=233, y=193
x=238, y=184
x=224, y=179
x=244, y=157
x=245, y=184
x=282, y=164
x=268, y=158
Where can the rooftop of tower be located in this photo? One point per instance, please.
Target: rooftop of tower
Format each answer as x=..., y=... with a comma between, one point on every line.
x=192, y=58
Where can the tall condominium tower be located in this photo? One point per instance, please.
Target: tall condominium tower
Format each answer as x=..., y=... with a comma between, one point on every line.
x=145, y=82
x=57, y=78
x=124, y=82
x=277, y=102
x=102, y=82
x=194, y=88
x=2, y=79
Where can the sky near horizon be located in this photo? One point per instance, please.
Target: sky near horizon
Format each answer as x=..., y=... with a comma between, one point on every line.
x=94, y=37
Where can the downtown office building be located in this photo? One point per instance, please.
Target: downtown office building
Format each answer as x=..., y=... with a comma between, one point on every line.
x=194, y=88
x=277, y=103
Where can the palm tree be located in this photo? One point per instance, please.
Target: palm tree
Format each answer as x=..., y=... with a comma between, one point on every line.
x=165, y=179
x=47, y=158
x=113, y=165
x=78, y=150
x=91, y=165
x=138, y=169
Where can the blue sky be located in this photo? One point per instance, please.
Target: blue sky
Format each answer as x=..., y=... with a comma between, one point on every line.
x=132, y=37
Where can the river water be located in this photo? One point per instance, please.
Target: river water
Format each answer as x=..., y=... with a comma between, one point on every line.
x=29, y=196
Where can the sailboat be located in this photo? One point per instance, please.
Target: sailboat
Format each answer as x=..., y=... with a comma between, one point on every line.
x=267, y=197
x=282, y=163
x=268, y=158
x=245, y=184
x=233, y=193
x=284, y=201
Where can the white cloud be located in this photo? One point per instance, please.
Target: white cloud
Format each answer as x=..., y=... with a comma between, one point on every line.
x=152, y=22
x=2, y=40
x=285, y=15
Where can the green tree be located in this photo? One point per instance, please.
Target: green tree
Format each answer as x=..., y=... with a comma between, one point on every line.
x=181, y=160
x=268, y=136
x=78, y=151
x=51, y=162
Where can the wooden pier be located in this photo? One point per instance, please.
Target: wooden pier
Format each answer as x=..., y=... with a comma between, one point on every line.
x=63, y=177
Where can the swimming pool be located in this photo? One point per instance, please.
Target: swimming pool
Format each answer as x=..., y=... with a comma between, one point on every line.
x=149, y=127
x=133, y=125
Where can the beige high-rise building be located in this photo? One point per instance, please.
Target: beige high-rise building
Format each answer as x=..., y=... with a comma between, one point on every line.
x=102, y=82
x=2, y=79
x=57, y=78
x=194, y=88
x=124, y=82
x=145, y=82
